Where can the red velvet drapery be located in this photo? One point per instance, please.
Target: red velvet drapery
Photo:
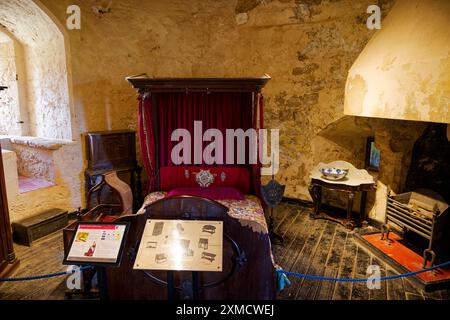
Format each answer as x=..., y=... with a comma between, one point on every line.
x=258, y=123
x=146, y=139
x=163, y=112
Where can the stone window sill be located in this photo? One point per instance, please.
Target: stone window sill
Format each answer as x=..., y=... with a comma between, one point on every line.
x=35, y=142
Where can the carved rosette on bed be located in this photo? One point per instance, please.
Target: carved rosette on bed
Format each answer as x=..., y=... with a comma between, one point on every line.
x=249, y=212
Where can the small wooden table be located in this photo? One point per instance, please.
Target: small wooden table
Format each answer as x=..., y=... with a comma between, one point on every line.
x=356, y=181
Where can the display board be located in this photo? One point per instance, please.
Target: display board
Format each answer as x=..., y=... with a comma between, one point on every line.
x=97, y=244
x=181, y=245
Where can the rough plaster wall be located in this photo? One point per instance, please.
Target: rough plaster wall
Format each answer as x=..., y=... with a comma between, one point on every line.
x=47, y=84
x=9, y=99
x=45, y=61
x=306, y=46
x=35, y=162
x=10, y=167
x=404, y=72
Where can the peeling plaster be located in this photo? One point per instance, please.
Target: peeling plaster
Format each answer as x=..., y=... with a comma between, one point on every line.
x=176, y=38
x=405, y=66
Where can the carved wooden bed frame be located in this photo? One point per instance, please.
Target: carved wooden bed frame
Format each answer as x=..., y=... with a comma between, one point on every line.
x=248, y=270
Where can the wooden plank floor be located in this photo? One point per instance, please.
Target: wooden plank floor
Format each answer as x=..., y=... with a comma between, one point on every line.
x=44, y=257
x=324, y=248
x=316, y=247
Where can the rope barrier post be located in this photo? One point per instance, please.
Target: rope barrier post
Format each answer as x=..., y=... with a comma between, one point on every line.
x=170, y=286
x=102, y=284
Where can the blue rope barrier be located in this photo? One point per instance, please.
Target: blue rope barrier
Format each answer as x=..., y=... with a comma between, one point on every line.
x=393, y=277
x=300, y=275
x=46, y=276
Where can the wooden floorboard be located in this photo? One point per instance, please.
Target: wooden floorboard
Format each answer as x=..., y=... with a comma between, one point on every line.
x=343, y=290
x=381, y=293
x=324, y=248
x=326, y=289
x=300, y=259
x=294, y=240
x=310, y=287
x=360, y=290
x=44, y=257
x=289, y=235
x=316, y=247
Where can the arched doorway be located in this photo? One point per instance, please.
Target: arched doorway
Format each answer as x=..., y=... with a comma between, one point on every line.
x=42, y=108
x=41, y=160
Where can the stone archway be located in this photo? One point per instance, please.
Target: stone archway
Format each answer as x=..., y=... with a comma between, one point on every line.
x=45, y=80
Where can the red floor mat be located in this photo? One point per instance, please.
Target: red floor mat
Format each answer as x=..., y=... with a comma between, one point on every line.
x=406, y=257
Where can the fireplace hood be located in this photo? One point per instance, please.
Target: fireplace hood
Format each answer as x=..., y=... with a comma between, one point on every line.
x=404, y=71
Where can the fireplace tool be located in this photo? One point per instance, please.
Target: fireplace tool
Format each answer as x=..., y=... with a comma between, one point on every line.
x=272, y=194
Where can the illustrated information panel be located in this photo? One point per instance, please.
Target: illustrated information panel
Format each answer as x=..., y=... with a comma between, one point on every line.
x=97, y=243
x=181, y=245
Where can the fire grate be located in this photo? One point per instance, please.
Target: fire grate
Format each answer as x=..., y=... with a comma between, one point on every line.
x=423, y=213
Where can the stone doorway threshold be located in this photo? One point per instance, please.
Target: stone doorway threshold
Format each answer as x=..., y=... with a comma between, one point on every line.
x=404, y=260
x=27, y=184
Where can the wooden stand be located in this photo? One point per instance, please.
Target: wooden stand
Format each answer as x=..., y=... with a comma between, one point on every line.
x=357, y=180
x=315, y=189
x=113, y=151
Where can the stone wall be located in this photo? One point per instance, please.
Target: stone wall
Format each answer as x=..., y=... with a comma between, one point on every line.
x=35, y=162
x=9, y=99
x=53, y=161
x=346, y=140
x=45, y=70
x=307, y=48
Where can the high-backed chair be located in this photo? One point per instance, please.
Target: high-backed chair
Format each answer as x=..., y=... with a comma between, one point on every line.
x=110, y=199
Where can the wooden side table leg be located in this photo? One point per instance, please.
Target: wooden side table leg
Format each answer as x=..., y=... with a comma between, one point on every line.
x=362, y=214
x=351, y=197
x=316, y=194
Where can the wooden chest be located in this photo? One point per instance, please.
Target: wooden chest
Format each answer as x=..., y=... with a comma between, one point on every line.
x=31, y=229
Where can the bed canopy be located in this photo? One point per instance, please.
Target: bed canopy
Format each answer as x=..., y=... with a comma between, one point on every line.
x=167, y=104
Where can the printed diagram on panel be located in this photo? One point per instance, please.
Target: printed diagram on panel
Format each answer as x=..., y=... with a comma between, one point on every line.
x=181, y=245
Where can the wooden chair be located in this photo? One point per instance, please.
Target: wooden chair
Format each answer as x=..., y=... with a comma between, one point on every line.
x=110, y=199
x=107, y=201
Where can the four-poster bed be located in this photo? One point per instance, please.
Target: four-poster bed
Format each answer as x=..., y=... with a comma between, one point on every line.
x=200, y=190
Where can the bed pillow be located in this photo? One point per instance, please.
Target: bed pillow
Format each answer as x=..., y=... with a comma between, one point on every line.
x=214, y=193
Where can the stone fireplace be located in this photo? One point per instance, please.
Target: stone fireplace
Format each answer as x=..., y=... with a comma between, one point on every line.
x=397, y=92
x=346, y=140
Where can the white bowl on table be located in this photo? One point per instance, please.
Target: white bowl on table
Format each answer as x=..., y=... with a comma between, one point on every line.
x=334, y=174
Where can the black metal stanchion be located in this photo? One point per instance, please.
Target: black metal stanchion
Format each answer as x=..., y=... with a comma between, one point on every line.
x=102, y=284
x=170, y=286
x=272, y=194
x=195, y=285
x=272, y=234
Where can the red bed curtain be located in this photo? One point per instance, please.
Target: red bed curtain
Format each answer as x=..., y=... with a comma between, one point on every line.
x=147, y=140
x=162, y=113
